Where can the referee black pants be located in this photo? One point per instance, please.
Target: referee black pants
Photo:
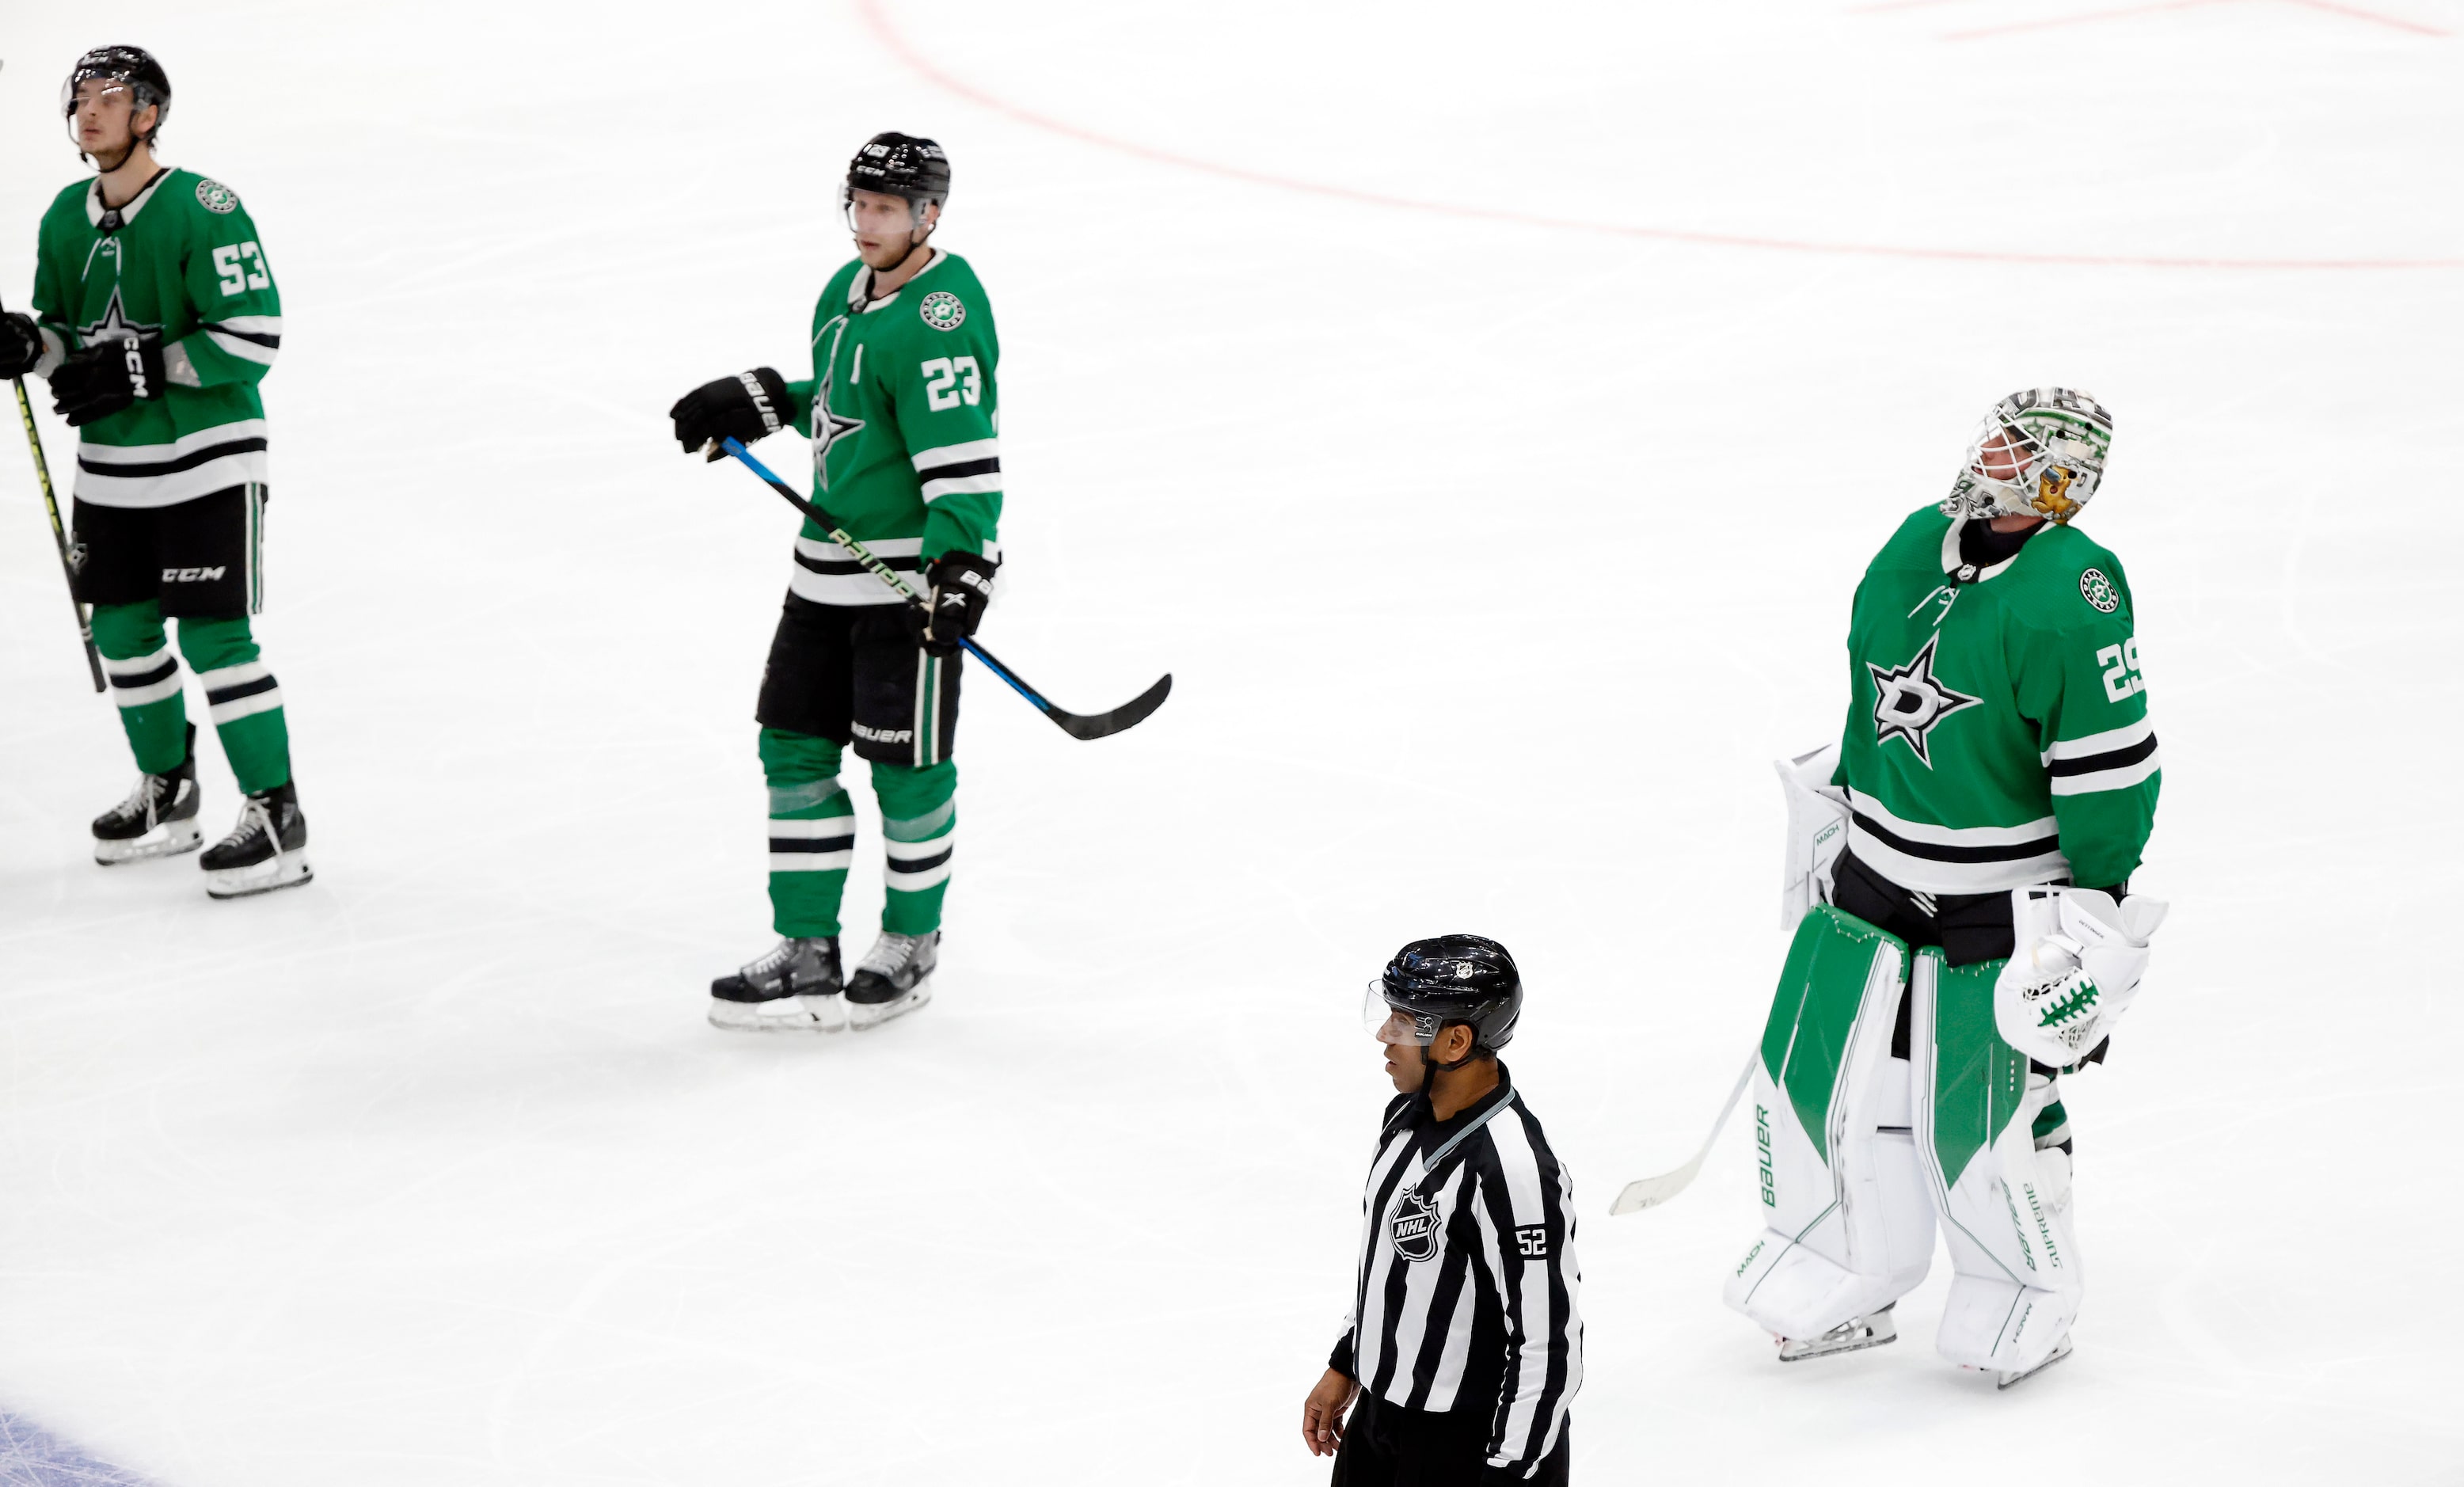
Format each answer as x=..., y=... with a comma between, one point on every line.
x=1389, y=1446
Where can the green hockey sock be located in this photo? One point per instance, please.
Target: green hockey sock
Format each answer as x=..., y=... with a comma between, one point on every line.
x=919, y=821
x=812, y=832
x=144, y=682
x=2053, y=1125
x=246, y=701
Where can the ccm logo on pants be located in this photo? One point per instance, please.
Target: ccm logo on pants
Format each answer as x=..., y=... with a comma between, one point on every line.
x=191, y=575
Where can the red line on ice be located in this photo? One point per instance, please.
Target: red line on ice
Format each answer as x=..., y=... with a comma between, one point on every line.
x=877, y=20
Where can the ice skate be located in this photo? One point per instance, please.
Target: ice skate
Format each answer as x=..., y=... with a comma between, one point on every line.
x=159, y=819
x=2004, y=1379
x=265, y=851
x=894, y=979
x=1856, y=1333
x=794, y=989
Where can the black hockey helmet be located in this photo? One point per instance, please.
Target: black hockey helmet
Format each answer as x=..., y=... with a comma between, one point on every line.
x=900, y=165
x=1449, y=978
x=133, y=66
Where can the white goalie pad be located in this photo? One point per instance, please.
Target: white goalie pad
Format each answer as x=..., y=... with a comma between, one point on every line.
x=1847, y=1225
x=2075, y=970
x=2005, y=1206
x=1818, y=829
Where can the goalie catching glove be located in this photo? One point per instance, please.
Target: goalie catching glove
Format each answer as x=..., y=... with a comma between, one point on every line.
x=2074, y=971
x=97, y=380
x=746, y=407
x=961, y=586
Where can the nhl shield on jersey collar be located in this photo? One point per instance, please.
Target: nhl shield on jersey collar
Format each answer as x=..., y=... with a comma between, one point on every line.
x=96, y=211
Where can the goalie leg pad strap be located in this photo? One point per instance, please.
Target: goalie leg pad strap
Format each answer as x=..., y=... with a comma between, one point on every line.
x=1847, y=1225
x=2004, y=1209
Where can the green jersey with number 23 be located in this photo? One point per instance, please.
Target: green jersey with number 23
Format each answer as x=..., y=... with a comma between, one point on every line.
x=1997, y=730
x=903, y=411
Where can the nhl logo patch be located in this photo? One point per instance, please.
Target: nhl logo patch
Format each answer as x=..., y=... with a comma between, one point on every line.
x=217, y=197
x=2098, y=592
x=1413, y=1227
x=942, y=311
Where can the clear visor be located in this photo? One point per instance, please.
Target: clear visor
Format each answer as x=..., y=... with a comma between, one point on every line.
x=90, y=103
x=1389, y=1023
x=879, y=215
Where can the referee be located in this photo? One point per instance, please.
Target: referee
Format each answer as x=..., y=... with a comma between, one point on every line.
x=1463, y=1345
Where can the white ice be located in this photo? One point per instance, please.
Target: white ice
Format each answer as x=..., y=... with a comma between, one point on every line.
x=1495, y=552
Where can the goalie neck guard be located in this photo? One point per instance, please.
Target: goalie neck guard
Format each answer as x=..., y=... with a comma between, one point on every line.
x=2038, y=453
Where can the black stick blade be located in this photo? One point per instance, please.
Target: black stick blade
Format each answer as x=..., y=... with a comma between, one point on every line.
x=1103, y=725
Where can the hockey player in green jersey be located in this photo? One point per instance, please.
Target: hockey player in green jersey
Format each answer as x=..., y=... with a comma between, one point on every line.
x=1964, y=937
x=902, y=410
x=155, y=317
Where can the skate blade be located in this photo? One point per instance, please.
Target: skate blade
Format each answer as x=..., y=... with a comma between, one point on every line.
x=2062, y=1350
x=1876, y=1338
x=290, y=870
x=864, y=1016
x=169, y=839
x=809, y=1015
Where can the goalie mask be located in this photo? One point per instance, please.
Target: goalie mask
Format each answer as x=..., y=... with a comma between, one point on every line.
x=2038, y=453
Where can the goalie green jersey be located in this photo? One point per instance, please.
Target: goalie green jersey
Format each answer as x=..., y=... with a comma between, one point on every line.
x=1997, y=730
x=181, y=263
x=903, y=411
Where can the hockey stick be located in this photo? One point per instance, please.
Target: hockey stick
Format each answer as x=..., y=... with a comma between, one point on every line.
x=59, y=535
x=1652, y=1191
x=1077, y=725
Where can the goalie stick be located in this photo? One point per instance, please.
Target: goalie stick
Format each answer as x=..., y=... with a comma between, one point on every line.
x=1076, y=725
x=1651, y=1192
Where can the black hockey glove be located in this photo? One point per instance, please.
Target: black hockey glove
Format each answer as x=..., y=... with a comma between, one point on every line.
x=21, y=347
x=961, y=586
x=747, y=407
x=101, y=380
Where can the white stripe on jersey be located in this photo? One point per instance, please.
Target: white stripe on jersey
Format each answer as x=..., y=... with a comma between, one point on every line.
x=958, y=454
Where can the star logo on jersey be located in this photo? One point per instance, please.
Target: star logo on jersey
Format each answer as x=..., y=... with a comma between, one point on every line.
x=829, y=429
x=115, y=324
x=1909, y=702
x=942, y=311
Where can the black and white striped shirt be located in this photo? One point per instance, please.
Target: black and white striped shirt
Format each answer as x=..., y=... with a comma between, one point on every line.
x=1465, y=1295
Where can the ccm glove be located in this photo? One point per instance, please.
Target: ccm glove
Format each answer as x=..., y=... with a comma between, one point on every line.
x=962, y=585
x=101, y=380
x=21, y=347
x=747, y=407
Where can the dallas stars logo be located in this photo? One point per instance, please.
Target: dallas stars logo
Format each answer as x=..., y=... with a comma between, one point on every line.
x=115, y=324
x=1909, y=702
x=829, y=429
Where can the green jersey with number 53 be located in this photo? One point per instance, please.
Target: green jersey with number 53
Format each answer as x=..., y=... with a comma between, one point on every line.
x=1997, y=729
x=179, y=263
x=904, y=414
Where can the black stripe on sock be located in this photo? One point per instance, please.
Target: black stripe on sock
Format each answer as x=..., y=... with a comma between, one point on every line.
x=919, y=863
x=145, y=678
x=812, y=844
x=216, y=697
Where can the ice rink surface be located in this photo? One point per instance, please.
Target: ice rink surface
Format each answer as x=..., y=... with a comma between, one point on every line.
x=1484, y=412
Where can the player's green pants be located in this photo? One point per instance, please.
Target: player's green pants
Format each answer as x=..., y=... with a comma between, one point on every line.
x=812, y=836
x=247, y=704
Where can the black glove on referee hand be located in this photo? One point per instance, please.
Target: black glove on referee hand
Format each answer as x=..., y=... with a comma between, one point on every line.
x=747, y=407
x=21, y=347
x=101, y=380
x=962, y=585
